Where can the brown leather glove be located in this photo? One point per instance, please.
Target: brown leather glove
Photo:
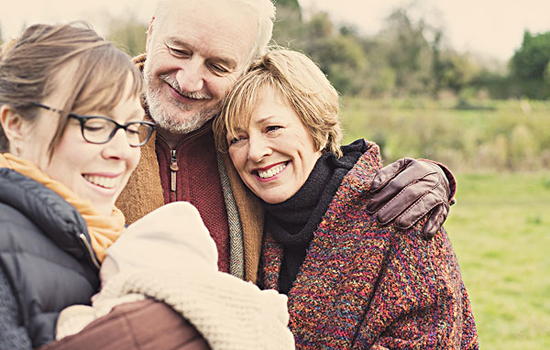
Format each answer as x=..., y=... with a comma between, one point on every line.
x=409, y=189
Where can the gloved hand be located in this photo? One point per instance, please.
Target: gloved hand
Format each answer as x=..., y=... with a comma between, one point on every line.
x=407, y=190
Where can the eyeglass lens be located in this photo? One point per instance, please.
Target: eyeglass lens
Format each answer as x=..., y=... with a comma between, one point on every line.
x=99, y=130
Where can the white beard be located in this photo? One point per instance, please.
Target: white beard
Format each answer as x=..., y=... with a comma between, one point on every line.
x=171, y=122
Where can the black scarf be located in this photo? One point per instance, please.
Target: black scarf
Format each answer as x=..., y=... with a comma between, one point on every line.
x=293, y=221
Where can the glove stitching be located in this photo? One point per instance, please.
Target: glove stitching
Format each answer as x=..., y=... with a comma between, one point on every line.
x=415, y=202
x=427, y=235
x=409, y=226
x=388, y=180
x=373, y=211
x=397, y=197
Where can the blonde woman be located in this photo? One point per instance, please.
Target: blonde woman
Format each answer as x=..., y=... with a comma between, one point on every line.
x=351, y=282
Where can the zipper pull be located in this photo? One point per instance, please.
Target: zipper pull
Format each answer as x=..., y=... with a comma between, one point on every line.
x=173, y=170
x=90, y=250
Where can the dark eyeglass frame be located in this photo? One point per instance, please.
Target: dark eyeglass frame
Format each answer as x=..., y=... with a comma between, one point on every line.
x=84, y=118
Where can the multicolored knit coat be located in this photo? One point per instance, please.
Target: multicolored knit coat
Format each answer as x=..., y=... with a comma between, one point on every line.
x=366, y=286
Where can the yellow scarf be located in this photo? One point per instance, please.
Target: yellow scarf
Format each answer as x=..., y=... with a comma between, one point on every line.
x=103, y=230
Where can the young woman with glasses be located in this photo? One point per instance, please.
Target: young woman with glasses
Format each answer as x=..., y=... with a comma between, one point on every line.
x=64, y=94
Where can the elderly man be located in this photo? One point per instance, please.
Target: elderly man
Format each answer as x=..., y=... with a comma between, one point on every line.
x=196, y=50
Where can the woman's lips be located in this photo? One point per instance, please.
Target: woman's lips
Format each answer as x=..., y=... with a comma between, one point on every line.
x=108, y=182
x=269, y=172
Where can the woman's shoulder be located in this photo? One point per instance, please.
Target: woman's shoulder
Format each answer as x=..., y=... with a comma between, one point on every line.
x=23, y=199
x=15, y=199
x=358, y=179
x=32, y=214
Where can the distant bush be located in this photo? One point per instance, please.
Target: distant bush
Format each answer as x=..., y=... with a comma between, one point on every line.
x=488, y=135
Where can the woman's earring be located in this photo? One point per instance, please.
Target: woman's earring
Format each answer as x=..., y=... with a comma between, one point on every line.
x=17, y=151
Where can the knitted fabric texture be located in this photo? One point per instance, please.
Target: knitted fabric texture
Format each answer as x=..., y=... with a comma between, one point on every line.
x=236, y=249
x=169, y=238
x=230, y=313
x=293, y=221
x=168, y=255
x=371, y=287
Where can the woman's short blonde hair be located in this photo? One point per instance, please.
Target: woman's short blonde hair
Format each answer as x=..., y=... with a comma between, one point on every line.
x=30, y=65
x=300, y=82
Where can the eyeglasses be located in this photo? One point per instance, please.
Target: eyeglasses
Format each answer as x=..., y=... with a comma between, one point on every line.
x=100, y=130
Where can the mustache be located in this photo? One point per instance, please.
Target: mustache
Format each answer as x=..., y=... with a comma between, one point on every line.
x=196, y=95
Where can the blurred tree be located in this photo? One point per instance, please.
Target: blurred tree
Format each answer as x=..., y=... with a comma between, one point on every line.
x=129, y=34
x=407, y=57
x=337, y=52
x=530, y=61
x=288, y=27
x=294, y=4
x=529, y=64
x=457, y=71
x=437, y=71
x=343, y=60
x=380, y=80
x=408, y=53
x=320, y=26
x=546, y=75
x=497, y=85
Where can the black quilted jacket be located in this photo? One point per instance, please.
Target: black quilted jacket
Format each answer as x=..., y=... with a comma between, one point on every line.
x=46, y=261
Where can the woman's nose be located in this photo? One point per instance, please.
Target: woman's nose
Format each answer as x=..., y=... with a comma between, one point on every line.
x=118, y=146
x=258, y=149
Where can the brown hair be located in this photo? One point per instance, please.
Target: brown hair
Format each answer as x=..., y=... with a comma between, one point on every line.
x=30, y=65
x=301, y=83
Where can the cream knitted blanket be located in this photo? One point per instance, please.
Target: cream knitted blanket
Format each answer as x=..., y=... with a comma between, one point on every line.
x=231, y=314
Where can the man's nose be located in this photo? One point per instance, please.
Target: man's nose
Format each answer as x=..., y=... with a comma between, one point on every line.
x=190, y=77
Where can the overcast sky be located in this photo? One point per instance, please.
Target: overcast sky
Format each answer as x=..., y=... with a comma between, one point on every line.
x=493, y=28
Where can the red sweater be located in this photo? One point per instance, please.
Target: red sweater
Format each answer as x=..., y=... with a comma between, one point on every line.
x=190, y=173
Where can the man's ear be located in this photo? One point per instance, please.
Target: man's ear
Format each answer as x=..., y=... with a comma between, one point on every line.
x=12, y=123
x=149, y=34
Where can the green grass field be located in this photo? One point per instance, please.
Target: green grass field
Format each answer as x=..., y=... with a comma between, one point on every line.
x=500, y=229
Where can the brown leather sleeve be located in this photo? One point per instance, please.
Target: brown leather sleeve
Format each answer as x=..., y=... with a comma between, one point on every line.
x=141, y=325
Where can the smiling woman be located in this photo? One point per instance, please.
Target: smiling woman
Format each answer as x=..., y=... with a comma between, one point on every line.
x=351, y=282
x=94, y=171
x=59, y=185
x=275, y=154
